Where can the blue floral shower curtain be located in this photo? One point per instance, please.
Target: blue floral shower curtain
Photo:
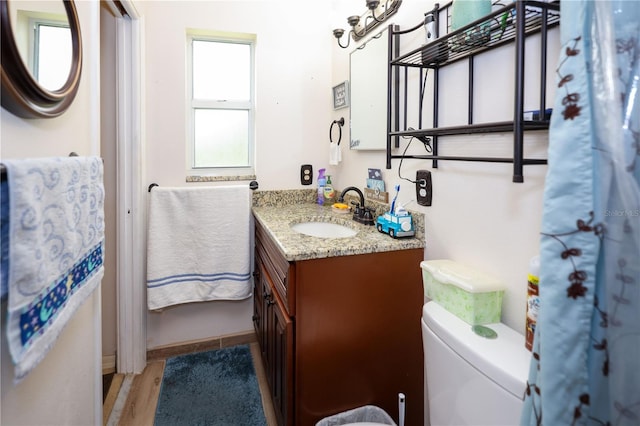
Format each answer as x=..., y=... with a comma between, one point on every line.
x=585, y=367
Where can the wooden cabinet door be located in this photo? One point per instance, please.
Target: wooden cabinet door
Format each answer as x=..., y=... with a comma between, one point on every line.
x=257, y=301
x=358, y=336
x=282, y=344
x=267, y=327
x=276, y=345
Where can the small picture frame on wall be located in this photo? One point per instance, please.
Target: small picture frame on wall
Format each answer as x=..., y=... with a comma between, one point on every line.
x=341, y=95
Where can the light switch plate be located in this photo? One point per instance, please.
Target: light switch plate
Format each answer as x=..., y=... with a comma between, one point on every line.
x=423, y=187
x=306, y=174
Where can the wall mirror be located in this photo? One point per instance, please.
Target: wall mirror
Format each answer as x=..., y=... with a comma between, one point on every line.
x=41, y=56
x=368, y=66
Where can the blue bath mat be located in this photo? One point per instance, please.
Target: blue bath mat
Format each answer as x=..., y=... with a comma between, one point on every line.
x=210, y=388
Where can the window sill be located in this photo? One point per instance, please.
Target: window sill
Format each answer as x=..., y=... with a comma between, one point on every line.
x=195, y=178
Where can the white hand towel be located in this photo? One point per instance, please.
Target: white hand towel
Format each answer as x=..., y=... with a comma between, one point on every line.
x=56, y=245
x=335, y=154
x=198, y=245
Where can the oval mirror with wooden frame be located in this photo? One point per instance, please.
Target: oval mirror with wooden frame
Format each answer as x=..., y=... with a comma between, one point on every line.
x=22, y=93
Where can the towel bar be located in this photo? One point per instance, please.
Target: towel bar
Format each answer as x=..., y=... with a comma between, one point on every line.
x=252, y=185
x=3, y=169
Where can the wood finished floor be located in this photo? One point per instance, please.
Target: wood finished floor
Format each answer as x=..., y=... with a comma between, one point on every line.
x=140, y=406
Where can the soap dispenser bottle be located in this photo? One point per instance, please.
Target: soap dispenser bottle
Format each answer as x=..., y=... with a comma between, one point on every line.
x=322, y=181
x=329, y=193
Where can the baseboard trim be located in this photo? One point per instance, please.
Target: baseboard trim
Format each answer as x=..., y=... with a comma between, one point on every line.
x=209, y=344
x=108, y=364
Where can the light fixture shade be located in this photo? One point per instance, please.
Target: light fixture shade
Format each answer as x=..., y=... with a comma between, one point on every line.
x=372, y=4
x=375, y=14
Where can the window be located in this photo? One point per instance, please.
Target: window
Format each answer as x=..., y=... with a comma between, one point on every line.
x=221, y=105
x=52, y=53
x=44, y=38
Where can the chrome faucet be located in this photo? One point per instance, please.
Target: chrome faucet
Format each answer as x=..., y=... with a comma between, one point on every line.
x=361, y=214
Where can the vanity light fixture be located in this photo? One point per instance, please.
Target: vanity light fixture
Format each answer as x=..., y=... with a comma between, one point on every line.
x=377, y=12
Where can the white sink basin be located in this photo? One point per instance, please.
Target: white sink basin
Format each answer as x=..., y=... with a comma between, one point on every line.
x=324, y=229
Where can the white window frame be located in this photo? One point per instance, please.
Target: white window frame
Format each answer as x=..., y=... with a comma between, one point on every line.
x=193, y=104
x=34, y=39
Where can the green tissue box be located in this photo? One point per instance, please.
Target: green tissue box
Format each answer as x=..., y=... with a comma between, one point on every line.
x=471, y=295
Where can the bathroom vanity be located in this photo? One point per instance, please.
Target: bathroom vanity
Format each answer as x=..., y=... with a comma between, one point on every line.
x=337, y=319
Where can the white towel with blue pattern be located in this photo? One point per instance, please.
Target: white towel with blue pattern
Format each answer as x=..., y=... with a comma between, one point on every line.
x=198, y=247
x=56, y=244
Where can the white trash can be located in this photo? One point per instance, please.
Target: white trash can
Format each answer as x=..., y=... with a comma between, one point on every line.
x=367, y=413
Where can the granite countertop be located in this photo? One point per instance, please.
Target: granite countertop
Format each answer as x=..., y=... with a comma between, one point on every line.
x=278, y=210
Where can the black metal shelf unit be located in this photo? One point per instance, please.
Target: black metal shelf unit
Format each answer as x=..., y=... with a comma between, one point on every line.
x=502, y=26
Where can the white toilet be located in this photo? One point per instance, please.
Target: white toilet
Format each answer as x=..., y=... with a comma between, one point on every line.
x=469, y=379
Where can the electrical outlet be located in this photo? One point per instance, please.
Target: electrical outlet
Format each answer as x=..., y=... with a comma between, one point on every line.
x=306, y=174
x=423, y=187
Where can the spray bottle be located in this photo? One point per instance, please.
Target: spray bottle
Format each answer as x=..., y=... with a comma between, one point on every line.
x=430, y=27
x=322, y=182
x=533, y=300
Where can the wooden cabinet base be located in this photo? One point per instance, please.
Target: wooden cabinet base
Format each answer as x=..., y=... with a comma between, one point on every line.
x=355, y=338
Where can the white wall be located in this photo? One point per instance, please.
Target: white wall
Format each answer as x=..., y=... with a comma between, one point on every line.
x=66, y=388
x=478, y=216
x=293, y=69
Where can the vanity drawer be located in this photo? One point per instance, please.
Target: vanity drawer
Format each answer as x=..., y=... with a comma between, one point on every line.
x=282, y=272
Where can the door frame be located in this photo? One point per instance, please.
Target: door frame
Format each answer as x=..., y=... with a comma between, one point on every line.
x=131, y=206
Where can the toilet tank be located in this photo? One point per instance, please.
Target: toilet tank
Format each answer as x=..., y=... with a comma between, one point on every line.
x=472, y=380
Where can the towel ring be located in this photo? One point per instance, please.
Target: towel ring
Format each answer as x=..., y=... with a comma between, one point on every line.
x=340, y=123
